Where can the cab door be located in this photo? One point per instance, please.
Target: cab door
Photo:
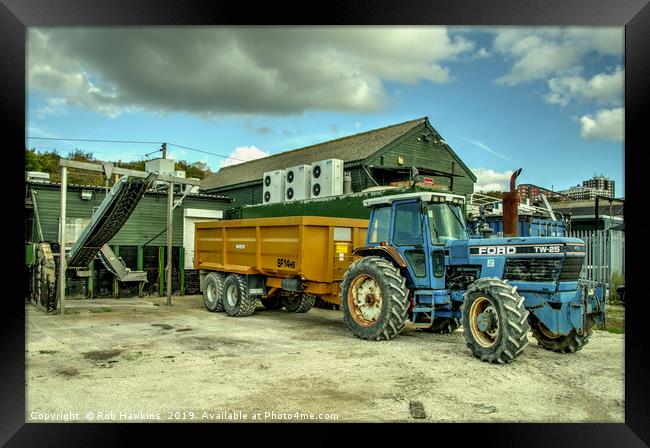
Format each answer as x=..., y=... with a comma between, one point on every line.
x=408, y=236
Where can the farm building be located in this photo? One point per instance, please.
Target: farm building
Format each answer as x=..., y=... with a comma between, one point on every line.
x=374, y=158
x=141, y=243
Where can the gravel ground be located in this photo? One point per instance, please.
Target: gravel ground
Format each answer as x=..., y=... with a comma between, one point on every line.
x=183, y=363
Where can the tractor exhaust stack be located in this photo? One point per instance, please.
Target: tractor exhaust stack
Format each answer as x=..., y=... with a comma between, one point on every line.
x=511, y=208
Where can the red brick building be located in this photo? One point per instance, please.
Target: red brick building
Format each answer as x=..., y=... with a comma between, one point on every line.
x=533, y=193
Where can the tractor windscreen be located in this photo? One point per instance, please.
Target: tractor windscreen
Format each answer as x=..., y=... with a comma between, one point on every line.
x=446, y=222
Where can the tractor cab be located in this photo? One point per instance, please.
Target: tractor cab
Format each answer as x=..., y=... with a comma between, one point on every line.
x=418, y=227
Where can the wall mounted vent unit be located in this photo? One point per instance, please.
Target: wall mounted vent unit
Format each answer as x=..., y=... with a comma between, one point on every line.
x=327, y=178
x=273, y=182
x=160, y=166
x=297, y=183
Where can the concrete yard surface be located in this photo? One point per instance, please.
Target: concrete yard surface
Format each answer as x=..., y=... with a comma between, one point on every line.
x=150, y=362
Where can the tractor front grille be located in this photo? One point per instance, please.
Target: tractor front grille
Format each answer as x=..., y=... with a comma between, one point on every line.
x=543, y=269
x=532, y=269
x=571, y=269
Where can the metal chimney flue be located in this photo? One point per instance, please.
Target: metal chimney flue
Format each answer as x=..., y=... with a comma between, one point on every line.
x=511, y=208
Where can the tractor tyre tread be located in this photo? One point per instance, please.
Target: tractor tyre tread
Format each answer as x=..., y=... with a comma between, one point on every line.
x=570, y=343
x=218, y=278
x=246, y=304
x=394, y=293
x=509, y=343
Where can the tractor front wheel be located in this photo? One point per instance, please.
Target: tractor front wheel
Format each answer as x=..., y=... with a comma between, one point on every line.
x=374, y=299
x=495, y=321
x=548, y=340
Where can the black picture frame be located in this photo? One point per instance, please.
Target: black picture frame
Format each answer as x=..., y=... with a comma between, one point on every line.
x=634, y=15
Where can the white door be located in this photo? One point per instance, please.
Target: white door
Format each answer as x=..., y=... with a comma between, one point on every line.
x=190, y=217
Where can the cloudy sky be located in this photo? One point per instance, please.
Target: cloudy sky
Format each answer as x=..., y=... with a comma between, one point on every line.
x=549, y=100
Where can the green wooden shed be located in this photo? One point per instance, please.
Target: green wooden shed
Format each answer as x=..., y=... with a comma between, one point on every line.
x=374, y=158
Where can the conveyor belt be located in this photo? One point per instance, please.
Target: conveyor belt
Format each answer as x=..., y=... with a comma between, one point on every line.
x=109, y=218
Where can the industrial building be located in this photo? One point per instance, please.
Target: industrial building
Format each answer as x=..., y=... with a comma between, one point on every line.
x=141, y=243
x=380, y=157
x=601, y=183
x=600, y=186
x=583, y=214
x=533, y=193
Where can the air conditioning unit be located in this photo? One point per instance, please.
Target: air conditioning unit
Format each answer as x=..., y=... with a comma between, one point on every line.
x=327, y=178
x=273, y=182
x=297, y=183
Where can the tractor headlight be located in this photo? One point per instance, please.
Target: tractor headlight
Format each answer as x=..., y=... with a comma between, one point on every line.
x=591, y=291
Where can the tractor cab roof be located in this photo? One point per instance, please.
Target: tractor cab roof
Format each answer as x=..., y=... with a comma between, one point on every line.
x=422, y=196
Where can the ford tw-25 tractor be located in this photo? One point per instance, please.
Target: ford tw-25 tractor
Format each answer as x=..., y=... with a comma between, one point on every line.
x=420, y=264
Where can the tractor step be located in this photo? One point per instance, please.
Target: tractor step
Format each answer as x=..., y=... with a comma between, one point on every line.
x=426, y=310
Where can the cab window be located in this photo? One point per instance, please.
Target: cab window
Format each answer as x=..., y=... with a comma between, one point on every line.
x=408, y=225
x=380, y=225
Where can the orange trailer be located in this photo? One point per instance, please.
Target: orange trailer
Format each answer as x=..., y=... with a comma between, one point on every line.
x=285, y=261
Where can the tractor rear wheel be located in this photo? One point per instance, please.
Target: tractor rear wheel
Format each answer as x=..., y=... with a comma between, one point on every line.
x=548, y=340
x=235, y=298
x=212, y=291
x=495, y=320
x=443, y=325
x=374, y=299
x=299, y=303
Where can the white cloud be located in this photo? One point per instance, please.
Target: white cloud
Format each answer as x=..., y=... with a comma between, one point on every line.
x=244, y=154
x=237, y=70
x=490, y=180
x=482, y=53
x=602, y=88
x=538, y=53
x=608, y=124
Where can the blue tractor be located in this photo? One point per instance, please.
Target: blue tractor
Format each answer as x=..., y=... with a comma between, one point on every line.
x=420, y=264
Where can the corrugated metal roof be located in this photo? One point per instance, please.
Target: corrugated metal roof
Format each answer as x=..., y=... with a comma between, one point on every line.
x=349, y=149
x=588, y=208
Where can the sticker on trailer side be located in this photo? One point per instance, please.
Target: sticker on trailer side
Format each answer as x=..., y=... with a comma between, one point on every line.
x=342, y=234
x=342, y=248
x=286, y=263
x=240, y=246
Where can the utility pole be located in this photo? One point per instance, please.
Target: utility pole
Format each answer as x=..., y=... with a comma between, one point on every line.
x=164, y=150
x=170, y=222
x=62, y=261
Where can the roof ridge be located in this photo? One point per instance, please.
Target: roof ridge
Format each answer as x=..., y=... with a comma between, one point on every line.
x=421, y=119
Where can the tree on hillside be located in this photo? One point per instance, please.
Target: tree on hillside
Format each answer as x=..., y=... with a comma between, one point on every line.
x=196, y=169
x=494, y=194
x=48, y=162
x=32, y=162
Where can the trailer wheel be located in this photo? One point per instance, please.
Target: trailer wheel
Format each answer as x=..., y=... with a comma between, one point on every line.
x=300, y=303
x=548, y=340
x=212, y=291
x=272, y=303
x=374, y=299
x=235, y=298
x=495, y=321
x=443, y=325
